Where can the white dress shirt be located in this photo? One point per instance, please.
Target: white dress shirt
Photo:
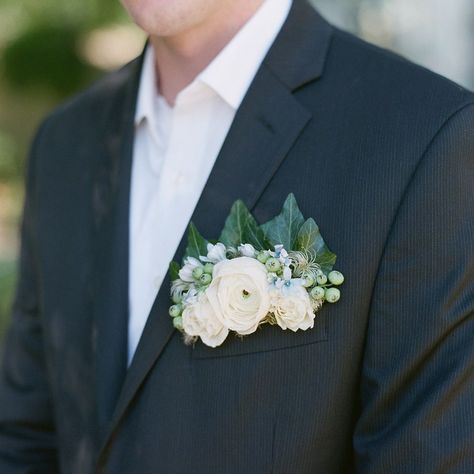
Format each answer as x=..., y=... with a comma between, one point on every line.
x=175, y=149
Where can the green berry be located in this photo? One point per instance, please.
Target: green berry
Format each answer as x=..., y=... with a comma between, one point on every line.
x=322, y=279
x=332, y=295
x=177, y=298
x=336, y=278
x=205, y=279
x=308, y=281
x=197, y=272
x=208, y=268
x=273, y=265
x=178, y=323
x=317, y=293
x=262, y=257
x=175, y=310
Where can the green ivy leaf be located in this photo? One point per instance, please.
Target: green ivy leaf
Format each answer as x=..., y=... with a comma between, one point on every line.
x=174, y=270
x=284, y=228
x=242, y=228
x=307, y=236
x=309, y=239
x=197, y=244
x=326, y=259
x=324, y=256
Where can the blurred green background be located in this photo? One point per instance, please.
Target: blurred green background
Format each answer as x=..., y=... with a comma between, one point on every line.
x=49, y=49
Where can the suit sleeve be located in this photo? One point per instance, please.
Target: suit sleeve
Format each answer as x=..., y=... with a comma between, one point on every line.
x=27, y=439
x=417, y=379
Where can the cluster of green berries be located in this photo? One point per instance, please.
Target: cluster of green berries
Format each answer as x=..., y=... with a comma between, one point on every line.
x=324, y=292
x=176, y=312
x=202, y=276
x=272, y=264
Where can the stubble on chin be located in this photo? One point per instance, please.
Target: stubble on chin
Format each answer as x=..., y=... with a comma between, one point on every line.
x=165, y=18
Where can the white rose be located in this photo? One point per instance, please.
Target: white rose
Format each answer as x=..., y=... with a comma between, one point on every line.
x=239, y=294
x=200, y=320
x=292, y=307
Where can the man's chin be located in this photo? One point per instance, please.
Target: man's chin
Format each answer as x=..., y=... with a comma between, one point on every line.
x=169, y=19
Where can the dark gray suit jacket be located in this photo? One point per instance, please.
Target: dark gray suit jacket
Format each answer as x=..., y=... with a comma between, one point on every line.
x=381, y=153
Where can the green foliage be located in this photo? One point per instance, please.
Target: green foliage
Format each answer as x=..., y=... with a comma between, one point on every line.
x=326, y=259
x=283, y=229
x=242, y=228
x=174, y=271
x=309, y=239
x=46, y=56
x=84, y=13
x=307, y=235
x=40, y=64
x=197, y=244
x=291, y=230
x=9, y=164
x=7, y=283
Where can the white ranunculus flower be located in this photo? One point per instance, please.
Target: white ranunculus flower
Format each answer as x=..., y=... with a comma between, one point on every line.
x=200, y=320
x=291, y=306
x=216, y=253
x=239, y=294
x=247, y=250
x=186, y=272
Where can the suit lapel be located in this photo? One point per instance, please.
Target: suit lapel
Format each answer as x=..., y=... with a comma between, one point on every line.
x=266, y=125
x=110, y=210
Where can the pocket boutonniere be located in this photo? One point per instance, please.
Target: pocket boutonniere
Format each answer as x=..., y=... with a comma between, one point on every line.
x=277, y=273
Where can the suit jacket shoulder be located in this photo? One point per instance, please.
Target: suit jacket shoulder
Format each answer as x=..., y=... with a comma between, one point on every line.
x=392, y=84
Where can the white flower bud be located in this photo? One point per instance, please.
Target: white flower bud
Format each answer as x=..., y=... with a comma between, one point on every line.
x=216, y=253
x=247, y=250
x=186, y=273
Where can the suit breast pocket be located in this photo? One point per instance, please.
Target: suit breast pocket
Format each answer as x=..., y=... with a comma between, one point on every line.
x=266, y=338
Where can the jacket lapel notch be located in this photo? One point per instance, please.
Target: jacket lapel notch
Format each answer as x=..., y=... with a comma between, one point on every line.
x=299, y=53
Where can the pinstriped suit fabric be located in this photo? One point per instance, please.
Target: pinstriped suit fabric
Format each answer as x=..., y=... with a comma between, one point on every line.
x=381, y=153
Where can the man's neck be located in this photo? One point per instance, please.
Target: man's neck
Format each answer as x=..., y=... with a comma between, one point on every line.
x=180, y=58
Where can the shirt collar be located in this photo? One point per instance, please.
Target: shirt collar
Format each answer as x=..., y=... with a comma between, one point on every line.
x=231, y=72
x=233, y=69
